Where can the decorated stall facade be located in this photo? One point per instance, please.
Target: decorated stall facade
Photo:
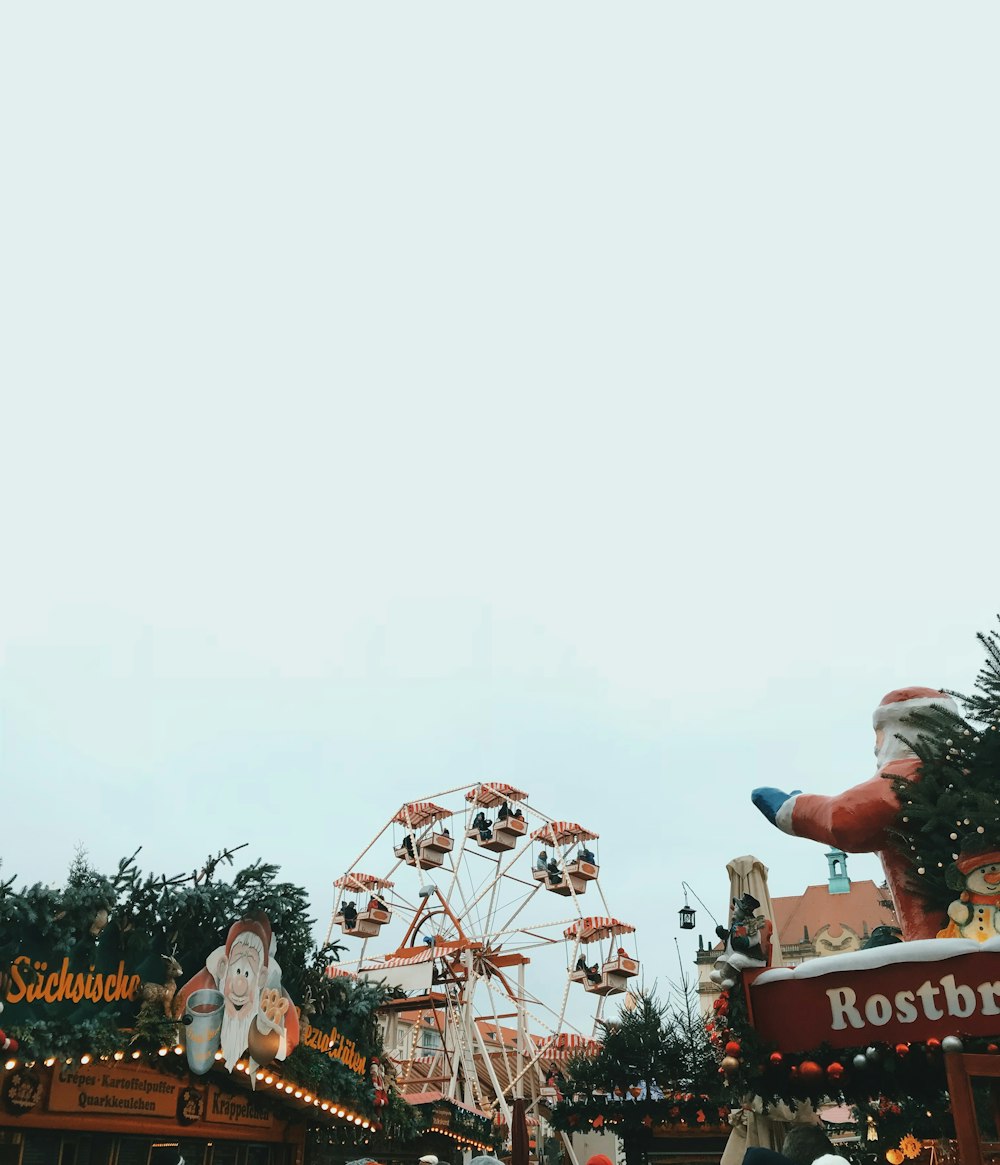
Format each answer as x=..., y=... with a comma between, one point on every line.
x=152, y=1020
x=898, y=1028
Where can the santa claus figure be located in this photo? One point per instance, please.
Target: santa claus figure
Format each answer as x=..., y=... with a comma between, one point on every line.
x=257, y=1015
x=859, y=819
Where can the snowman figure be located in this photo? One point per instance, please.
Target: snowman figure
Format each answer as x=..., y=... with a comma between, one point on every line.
x=975, y=913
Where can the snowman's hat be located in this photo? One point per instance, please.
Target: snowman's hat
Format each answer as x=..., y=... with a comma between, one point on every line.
x=975, y=854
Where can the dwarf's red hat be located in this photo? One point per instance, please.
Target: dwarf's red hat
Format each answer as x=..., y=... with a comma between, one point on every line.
x=256, y=924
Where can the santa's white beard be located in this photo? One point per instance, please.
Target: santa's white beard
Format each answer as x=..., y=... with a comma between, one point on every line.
x=235, y=1035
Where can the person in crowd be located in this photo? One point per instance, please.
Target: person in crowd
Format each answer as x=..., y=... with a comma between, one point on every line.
x=350, y=912
x=586, y=855
x=805, y=1144
x=555, y=874
x=484, y=825
x=408, y=846
x=504, y=812
x=542, y=861
x=518, y=814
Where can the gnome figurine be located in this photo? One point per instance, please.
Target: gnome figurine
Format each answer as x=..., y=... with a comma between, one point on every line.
x=748, y=942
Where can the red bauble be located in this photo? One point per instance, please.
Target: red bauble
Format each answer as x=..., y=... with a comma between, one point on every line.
x=835, y=1070
x=934, y=1044
x=992, y=1049
x=902, y=1049
x=810, y=1071
x=793, y=1072
x=776, y=1057
x=733, y=1048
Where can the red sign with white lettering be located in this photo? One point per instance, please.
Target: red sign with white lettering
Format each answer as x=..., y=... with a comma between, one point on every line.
x=913, y=991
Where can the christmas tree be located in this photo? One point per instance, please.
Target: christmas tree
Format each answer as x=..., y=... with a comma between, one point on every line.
x=952, y=814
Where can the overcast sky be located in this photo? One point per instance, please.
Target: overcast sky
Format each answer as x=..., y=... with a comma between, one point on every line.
x=601, y=398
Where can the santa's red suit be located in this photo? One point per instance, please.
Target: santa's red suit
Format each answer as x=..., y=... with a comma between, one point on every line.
x=858, y=819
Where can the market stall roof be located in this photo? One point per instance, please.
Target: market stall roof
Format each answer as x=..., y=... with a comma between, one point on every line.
x=595, y=927
x=358, y=881
x=493, y=793
x=563, y=833
x=418, y=813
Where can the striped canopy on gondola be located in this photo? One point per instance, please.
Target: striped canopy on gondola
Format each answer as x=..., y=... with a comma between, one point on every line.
x=493, y=793
x=424, y=956
x=419, y=813
x=358, y=881
x=593, y=928
x=563, y=833
x=568, y=1046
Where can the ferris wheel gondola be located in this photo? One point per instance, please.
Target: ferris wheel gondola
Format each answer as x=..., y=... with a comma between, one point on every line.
x=612, y=975
x=368, y=921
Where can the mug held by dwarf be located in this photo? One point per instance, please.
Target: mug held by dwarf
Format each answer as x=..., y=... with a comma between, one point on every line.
x=976, y=912
x=237, y=1004
x=860, y=819
x=748, y=942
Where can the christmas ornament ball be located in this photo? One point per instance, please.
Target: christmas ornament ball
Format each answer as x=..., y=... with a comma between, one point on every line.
x=933, y=1044
x=809, y=1071
x=730, y=1065
x=860, y=1061
x=951, y=1044
x=835, y=1070
x=776, y=1057
x=873, y=1055
x=733, y=1048
x=894, y=1156
x=902, y=1049
x=992, y=1049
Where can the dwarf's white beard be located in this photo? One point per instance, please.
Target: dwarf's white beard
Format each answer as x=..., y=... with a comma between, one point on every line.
x=235, y=1035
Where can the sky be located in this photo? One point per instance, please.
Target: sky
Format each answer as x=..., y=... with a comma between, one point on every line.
x=597, y=398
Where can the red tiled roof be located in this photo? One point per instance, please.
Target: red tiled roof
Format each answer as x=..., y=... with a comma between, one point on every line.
x=816, y=908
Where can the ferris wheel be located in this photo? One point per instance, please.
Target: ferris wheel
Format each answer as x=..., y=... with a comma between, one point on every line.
x=488, y=916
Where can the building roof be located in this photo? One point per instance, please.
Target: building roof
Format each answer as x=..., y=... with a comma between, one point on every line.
x=817, y=908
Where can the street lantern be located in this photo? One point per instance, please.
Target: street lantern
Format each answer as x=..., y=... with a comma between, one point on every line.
x=686, y=912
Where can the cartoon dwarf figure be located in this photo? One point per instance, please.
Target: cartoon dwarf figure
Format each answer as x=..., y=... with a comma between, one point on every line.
x=976, y=912
x=257, y=1016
